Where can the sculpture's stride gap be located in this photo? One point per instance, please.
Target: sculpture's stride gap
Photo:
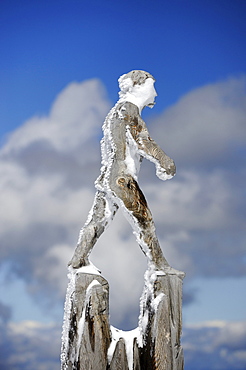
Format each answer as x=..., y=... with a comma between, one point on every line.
x=89, y=342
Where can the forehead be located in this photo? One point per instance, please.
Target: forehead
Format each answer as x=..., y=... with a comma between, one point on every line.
x=148, y=84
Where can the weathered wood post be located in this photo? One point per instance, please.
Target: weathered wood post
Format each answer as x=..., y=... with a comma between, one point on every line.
x=86, y=326
x=161, y=347
x=89, y=342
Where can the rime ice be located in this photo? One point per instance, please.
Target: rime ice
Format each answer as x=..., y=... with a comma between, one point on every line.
x=126, y=141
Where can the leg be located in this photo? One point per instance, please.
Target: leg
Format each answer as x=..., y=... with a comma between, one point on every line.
x=102, y=212
x=128, y=191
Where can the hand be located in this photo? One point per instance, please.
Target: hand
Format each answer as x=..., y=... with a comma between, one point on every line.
x=170, y=168
x=166, y=170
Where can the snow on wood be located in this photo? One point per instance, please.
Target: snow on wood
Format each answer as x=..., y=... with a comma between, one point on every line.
x=88, y=341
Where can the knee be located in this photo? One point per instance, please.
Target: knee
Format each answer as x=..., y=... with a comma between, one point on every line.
x=120, y=185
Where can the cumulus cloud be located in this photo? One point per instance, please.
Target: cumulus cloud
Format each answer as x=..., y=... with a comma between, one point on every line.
x=45, y=167
x=215, y=345
x=207, y=125
x=74, y=119
x=30, y=345
x=48, y=167
x=209, y=345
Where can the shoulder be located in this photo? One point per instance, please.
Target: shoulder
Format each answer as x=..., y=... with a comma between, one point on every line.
x=128, y=109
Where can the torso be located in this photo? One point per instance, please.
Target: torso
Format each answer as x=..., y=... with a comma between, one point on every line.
x=119, y=149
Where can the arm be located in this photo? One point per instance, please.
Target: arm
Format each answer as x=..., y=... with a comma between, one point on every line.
x=147, y=147
x=165, y=167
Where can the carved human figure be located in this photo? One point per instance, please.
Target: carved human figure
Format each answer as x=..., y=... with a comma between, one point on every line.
x=125, y=142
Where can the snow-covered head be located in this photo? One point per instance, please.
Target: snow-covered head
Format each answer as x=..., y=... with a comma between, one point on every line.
x=138, y=88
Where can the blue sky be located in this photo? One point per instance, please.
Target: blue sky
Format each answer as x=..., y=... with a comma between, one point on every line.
x=46, y=45
x=59, y=65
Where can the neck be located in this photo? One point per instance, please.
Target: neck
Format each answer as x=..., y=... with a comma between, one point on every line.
x=134, y=100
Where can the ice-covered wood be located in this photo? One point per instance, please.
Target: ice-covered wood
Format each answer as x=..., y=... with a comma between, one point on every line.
x=119, y=360
x=89, y=342
x=156, y=347
x=126, y=141
x=88, y=329
x=162, y=349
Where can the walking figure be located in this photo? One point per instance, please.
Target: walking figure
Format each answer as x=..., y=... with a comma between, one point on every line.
x=125, y=142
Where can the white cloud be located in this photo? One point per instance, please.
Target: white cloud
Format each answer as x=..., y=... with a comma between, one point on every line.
x=215, y=345
x=195, y=201
x=30, y=344
x=45, y=167
x=206, y=125
x=75, y=118
x=208, y=345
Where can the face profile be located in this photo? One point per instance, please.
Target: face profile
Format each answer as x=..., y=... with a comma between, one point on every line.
x=149, y=91
x=142, y=95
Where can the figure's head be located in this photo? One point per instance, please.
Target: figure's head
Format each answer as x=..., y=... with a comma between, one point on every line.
x=138, y=87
